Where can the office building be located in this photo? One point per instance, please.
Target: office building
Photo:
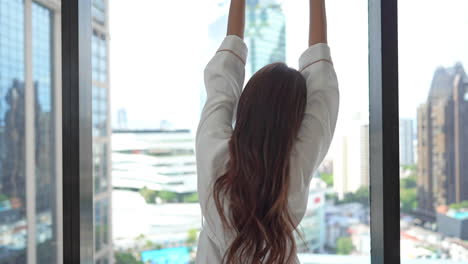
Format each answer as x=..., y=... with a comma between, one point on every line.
x=351, y=157
x=406, y=142
x=30, y=133
x=160, y=160
x=265, y=34
x=103, y=253
x=30, y=175
x=312, y=227
x=443, y=141
x=453, y=224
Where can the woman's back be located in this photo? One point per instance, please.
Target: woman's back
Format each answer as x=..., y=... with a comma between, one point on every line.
x=253, y=180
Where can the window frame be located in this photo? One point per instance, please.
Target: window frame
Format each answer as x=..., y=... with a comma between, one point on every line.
x=78, y=207
x=384, y=132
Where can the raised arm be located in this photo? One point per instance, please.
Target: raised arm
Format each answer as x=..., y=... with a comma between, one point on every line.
x=318, y=22
x=236, y=21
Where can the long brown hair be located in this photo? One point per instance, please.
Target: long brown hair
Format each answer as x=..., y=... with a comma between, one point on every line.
x=256, y=184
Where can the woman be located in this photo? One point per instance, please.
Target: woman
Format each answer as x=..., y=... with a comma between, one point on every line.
x=253, y=179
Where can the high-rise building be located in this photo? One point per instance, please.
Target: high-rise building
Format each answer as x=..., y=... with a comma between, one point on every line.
x=101, y=134
x=351, y=157
x=443, y=141
x=30, y=146
x=265, y=34
x=30, y=212
x=406, y=142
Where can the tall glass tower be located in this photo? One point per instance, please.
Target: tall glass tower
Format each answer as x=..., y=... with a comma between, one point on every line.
x=101, y=134
x=265, y=34
x=30, y=132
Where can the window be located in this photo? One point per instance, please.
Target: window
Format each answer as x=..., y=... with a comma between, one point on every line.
x=433, y=131
x=30, y=212
x=154, y=172
x=154, y=139
x=101, y=133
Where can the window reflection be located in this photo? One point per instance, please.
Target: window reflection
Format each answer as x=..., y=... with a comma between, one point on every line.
x=28, y=178
x=13, y=221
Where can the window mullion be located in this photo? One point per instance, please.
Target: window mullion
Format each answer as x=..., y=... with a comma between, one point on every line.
x=78, y=212
x=384, y=132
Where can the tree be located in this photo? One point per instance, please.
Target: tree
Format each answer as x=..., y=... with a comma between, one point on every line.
x=408, y=182
x=408, y=198
x=360, y=196
x=3, y=197
x=327, y=178
x=191, y=198
x=458, y=206
x=126, y=258
x=344, y=246
x=192, y=236
x=149, y=195
x=167, y=196
x=408, y=194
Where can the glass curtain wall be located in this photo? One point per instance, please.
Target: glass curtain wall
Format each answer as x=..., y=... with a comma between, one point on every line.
x=30, y=212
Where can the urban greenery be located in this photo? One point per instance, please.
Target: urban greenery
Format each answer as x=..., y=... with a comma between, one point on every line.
x=149, y=195
x=327, y=178
x=410, y=167
x=167, y=197
x=360, y=196
x=123, y=257
x=408, y=192
x=3, y=197
x=408, y=182
x=458, y=206
x=344, y=246
x=192, y=237
x=191, y=198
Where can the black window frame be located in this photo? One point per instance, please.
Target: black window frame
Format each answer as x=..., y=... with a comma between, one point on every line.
x=78, y=205
x=78, y=212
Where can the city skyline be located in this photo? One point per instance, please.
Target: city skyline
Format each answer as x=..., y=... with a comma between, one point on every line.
x=183, y=111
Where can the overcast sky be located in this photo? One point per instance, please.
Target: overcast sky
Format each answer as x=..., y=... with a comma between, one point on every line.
x=158, y=51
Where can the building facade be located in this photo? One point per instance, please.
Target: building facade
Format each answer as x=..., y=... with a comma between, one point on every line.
x=30, y=133
x=103, y=252
x=30, y=168
x=265, y=34
x=351, y=157
x=443, y=141
x=406, y=142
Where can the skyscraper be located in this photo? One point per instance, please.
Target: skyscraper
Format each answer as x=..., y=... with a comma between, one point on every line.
x=406, y=142
x=443, y=141
x=30, y=132
x=351, y=157
x=30, y=212
x=265, y=34
x=101, y=134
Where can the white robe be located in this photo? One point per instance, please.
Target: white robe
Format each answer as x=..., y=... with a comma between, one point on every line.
x=224, y=79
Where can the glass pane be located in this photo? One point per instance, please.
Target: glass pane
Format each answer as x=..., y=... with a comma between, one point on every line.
x=12, y=118
x=434, y=130
x=29, y=190
x=46, y=182
x=101, y=132
x=157, y=64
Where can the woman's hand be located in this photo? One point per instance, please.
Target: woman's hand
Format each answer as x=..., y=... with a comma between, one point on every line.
x=318, y=22
x=236, y=21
